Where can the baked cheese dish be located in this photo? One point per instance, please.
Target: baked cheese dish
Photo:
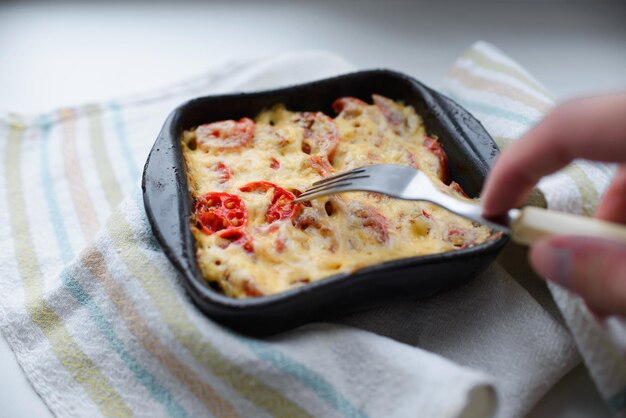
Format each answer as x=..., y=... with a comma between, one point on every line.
x=251, y=240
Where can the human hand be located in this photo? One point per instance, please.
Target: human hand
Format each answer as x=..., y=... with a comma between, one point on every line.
x=591, y=128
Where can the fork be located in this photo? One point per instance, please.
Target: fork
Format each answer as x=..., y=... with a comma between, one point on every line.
x=525, y=225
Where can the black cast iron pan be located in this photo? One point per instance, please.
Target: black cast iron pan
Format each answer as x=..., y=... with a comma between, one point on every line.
x=167, y=200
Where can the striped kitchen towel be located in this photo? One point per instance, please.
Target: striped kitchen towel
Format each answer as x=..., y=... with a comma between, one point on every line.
x=508, y=101
x=99, y=323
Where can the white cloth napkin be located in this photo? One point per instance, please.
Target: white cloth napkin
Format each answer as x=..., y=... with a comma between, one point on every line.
x=99, y=323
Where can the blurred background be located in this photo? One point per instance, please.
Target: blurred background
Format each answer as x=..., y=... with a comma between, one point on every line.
x=64, y=53
x=67, y=53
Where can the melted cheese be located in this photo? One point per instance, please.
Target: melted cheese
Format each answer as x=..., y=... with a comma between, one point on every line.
x=338, y=234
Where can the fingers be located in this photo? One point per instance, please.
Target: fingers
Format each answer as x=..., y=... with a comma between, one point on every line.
x=613, y=205
x=593, y=128
x=593, y=268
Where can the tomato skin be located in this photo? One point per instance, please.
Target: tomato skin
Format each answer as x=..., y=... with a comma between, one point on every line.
x=224, y=172
x=375, y=220
x=321, y=136
x=457, y=187
x=250, y=289
x=460, y=237
x=281, y=206
x=351, y=106
x=321, y=166
x=297, y=193
x=280, y=245
x=226, y=215
x=307, y=220
x=239, y=236
x=389, y=110
x=412, y=160
x=435, y=147
x=225, y=134
x=262, y=186
x=216, y=211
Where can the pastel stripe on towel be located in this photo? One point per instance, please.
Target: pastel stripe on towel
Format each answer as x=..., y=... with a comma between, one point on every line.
x=95, y=263
x=95, y=384
x=318, y=384
x=487, y=56
x=122, y=139
x=601, y=342
x=78, y=190
x=176, y=319
x=103, y=162
x=76, y=290
x=142, y=375
x=467, y=83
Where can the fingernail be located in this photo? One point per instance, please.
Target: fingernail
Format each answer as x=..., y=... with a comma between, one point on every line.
x=554, y=262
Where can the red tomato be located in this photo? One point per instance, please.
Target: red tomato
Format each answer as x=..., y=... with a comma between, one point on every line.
x=389, y=109
x=297, y=193
x=461, y=237
x=373, y=219
x=223, y=171
x=274, y=164
x=435, y=147
x=225, y=134
x=351, y=106
x=279, y=245
x=412, y=160
x=321, y=165
x=281, y=206
x=217, y=211
x=251, y=290
x=224, y=214
x=307, y=220
x=240, y=237
x=457, y=187
x=320, y=134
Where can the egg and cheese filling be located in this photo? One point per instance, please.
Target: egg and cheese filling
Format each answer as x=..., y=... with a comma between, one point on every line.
x=252, y=240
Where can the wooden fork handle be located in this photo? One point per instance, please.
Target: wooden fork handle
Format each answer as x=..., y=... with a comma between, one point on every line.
x=534, y=223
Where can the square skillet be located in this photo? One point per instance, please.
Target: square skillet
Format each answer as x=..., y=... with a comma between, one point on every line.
x=168, y=204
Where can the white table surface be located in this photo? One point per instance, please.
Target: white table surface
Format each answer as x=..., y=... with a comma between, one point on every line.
x=69, y=53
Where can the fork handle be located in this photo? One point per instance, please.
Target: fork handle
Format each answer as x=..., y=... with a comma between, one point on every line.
x=534, y=223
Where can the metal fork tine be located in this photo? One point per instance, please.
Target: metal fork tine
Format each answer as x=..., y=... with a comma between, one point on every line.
x=334, y=182
x=338, y=176
x=323, y=191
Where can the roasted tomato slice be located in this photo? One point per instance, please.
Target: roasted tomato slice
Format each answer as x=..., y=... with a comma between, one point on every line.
x=350, y=106
x=390, y=110
x=435, y=147
x=224, y=214
x=321, y=165
x=320, y=134
x=461, y=237
x=250, y=289
x=223, y=172
x=220, y=211
x=225, y=134
x=307, y=220
x=457, y=188
x=281, y=206
x=374, y=220
x=238, y=236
